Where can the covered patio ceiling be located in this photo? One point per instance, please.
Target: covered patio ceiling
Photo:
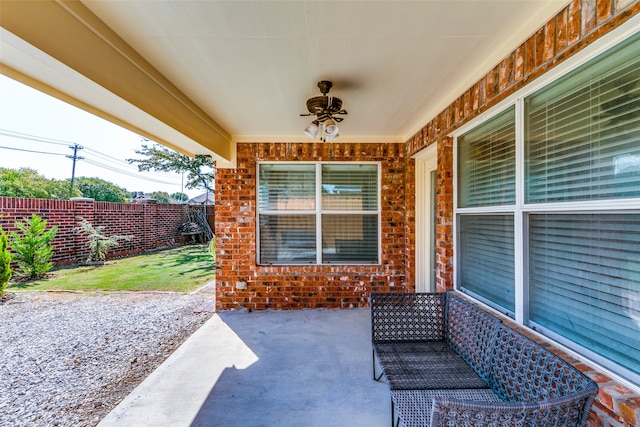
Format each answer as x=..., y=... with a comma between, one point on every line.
x=201, y=75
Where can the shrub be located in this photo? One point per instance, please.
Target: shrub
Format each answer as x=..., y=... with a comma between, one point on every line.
x=5, y=261
x=33, y=248
x=99, y=243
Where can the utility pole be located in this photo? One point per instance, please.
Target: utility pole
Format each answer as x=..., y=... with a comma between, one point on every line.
x=74, y=157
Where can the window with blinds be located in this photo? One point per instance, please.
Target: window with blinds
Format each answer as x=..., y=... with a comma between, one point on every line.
x=589, y=265
x=318, y=213
x=583, y=132
x=579, y=257
x=486, y=163
x=487, y=258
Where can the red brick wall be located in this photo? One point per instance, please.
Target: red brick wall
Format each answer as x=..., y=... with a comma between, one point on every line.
x=573, y=28
x=304, y=286
x=152, y=225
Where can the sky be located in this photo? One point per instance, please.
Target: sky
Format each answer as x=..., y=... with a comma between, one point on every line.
x=47, y=127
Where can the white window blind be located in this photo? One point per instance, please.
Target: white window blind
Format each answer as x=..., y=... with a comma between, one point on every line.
x=287, y=187
x=336, y=201
x=486, y=266
x=486, y=163
x=583, y=132
x=584, y=282
x=579, y=257
x=348, y=193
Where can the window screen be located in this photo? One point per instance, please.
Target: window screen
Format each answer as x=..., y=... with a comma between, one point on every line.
x=589, y=266
x=582, y=132
x=486, y=163
x=486, y=266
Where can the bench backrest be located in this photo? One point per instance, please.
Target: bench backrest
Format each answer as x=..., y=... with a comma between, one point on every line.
x=407, y=317
x=524, y=371
x=471, y=332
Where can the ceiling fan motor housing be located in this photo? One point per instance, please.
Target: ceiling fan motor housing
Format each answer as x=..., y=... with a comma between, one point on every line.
x=324, y=105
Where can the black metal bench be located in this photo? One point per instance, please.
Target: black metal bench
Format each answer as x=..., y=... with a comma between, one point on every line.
x=450, y=363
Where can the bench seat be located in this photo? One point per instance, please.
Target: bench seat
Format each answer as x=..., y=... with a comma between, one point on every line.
x=449, y=363
x=426, y=366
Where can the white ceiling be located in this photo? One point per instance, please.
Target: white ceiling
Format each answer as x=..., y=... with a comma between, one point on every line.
x=252, y=64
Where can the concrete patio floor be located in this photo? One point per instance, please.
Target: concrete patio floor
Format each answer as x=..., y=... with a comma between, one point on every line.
x=270, y=368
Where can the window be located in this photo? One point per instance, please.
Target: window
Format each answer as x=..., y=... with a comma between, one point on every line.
x=588, y=264
x=572, y=243
x=486, y=177
x=486, y=246
x=318, y=213
x=486, y=163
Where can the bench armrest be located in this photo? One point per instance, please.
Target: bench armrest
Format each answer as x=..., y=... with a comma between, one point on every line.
x=570, y=410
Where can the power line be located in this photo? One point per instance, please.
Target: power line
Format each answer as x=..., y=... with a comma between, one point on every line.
x=133, y=171
x=133, y=174
x=29, y=137
x=121, y=163
x=32, y=151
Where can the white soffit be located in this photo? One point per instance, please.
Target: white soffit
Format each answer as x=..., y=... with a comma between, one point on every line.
x=252, y=64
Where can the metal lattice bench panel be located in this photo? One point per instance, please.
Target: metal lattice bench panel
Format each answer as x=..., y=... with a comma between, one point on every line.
x=407, y=317
x=560, y=412
x=424, y=366
x=523, y=371
x=413, y=408
x=471, y=332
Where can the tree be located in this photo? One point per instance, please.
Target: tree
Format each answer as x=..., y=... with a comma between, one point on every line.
x=99, y=243
x=5, y=261
x=161, y=197
x=101, y=190
x=33, y=248
x=182, y=197
x=28, y=183
x=199, y=169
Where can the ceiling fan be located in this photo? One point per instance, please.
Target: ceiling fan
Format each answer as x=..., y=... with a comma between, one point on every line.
x=324, y=107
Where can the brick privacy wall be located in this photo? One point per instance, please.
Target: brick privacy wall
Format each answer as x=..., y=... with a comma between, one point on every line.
x=153, y=226
x=572, y=29
x=304, y=286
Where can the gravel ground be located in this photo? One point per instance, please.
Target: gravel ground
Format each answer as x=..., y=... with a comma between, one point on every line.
x=68, y=359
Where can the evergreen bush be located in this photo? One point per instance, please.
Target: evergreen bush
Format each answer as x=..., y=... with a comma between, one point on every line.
x=32, y=247
x=5, y=261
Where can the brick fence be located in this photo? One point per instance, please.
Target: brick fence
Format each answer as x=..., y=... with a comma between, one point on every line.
x=152, y=225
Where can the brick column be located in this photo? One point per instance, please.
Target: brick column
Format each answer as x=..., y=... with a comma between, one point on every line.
x=83, y=207
x=150, y=224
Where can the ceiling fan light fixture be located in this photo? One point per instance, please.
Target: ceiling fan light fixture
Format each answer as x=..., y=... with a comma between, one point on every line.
x=312, y=130
x=330, y=129
x=324, y=108
x=331, y=138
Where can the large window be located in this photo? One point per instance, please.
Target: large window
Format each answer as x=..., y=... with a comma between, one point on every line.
x=318, y=213
x=570, y=230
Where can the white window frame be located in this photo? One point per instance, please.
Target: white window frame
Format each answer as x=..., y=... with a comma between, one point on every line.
x=522, y=210
x=318, y=212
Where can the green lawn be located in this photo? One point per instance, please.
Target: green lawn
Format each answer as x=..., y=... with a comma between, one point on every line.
x=181, y=269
